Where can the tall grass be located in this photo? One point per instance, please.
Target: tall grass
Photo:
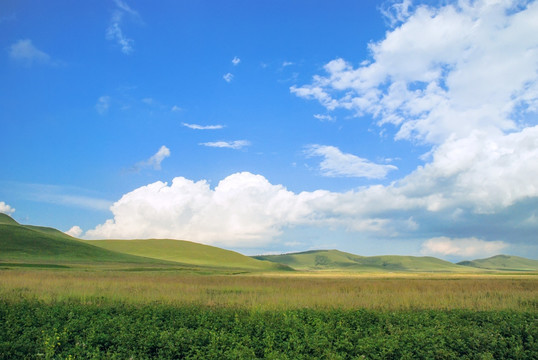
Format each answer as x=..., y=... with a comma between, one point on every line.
x=268, y=292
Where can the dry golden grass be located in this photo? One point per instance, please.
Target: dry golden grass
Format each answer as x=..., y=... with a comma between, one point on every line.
x=312, y=290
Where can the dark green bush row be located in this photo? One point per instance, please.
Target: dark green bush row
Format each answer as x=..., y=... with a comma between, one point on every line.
x=113, y=331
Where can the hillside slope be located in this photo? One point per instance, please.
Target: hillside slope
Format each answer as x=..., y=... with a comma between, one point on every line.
x=341, y=261
x=28, y=243
x=187, y=252
x=503, y=262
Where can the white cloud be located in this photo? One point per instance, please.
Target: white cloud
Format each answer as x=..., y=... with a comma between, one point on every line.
x=321, y=117
x=6, y=209
x=176, y=108
x=102, y=105
x=155, y=160
x=287, y=63
x=115, y=33
x=462, y=247
x=148, y=101
x=338, y=164
x=228, y=77
x=203, y=127
x=236, y=61
x=75, y=231
x=242, y=210
x=443, y=72
x=26, y=52
x=237, y=144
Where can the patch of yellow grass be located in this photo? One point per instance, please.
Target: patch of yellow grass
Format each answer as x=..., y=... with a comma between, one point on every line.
x=277, y=291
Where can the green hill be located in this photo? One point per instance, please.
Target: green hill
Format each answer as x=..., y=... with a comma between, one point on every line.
x=31, y=244
x=503, y=262
x=187, y=252
x=341, y=261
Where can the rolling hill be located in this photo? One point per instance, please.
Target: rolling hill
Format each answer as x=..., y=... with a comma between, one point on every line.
x=504, y=263
x=27, y=243
x=341, y=261
x=37, y=244
x=187, y=252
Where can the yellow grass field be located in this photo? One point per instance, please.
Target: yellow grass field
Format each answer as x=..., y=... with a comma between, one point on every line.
x=277, y=291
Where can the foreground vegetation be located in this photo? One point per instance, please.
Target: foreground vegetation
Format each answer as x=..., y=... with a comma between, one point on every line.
x=70, y=330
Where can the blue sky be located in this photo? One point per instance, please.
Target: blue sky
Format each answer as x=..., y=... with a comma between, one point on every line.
x=392, y=127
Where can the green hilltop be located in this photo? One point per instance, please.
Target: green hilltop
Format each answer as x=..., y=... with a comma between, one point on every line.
x=341, y=261
x=503, y=262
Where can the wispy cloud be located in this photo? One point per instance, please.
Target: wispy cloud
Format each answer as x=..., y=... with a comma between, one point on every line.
x=321, y=117
x=203, y=127
x=115, y=33
x=6, y=209
x=102, y=105
x=237, y=144
x=236, y=61
x=25, y=52
x=176, y=108
x=228, y=77
x=338, y=164
x=155, y=160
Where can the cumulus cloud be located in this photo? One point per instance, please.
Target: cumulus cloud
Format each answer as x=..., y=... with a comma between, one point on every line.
x=236, y=61
x=75, y=231
x=338, y=164
x=443, y=72
x=114, y=31
x=155, y=160
x=242, y=210
x=6, y=209
x=25, y=51
x=237, y=144
x=466, y=247
x=228, y=77
x=203, y=127
x=102, y=105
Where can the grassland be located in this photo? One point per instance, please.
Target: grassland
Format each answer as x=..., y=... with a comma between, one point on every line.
x=269, y=292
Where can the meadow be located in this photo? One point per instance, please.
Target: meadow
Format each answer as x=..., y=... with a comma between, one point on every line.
x=112, y=314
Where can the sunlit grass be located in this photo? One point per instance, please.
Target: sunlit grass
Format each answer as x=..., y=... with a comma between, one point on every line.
x=320, y=291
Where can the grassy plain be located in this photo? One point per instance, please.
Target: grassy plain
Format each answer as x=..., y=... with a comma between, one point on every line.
x=277, y=291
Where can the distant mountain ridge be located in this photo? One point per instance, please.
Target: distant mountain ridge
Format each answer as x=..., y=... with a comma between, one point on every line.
x=37, y=244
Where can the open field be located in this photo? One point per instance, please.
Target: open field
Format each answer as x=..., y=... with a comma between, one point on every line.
x=270, y=291
x=70, y=314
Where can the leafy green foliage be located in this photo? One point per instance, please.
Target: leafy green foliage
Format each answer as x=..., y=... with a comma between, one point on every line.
x=115, y=331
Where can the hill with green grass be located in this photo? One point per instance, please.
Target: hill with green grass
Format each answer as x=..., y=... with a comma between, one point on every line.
x=33, y=244
x=28, y=244
x=341, y=261
x=503, y=263
x=187, y=252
